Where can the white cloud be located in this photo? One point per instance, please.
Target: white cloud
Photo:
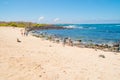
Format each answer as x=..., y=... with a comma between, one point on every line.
x=41, y=18
x=56, y=19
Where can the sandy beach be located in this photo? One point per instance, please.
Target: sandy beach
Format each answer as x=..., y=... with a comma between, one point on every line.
x=38, y=59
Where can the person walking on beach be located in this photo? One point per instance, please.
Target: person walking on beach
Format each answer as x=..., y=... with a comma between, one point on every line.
x=21, y=31
x=64, y=41
x=119, y=46
x=26, y=31
x=69, y=41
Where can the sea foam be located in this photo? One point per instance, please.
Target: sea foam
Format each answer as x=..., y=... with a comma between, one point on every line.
x=78, y=27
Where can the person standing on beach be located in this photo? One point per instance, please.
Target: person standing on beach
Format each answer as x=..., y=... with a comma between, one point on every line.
x=119, y=46
x=26, y=32
x=22, y=32
x=69, y=41
x=64, y=41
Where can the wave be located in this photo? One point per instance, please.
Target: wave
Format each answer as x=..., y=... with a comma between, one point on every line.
x=92, y=28
x=70, y=26
x=78, y=27
x=117, y=25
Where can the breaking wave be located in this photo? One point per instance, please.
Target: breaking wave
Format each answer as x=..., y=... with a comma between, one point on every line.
x=70, y=26
x=78, y=27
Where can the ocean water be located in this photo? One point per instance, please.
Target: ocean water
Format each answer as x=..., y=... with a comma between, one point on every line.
x=88, y=33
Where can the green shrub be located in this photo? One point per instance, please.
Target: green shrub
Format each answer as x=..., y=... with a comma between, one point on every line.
x=22, y=24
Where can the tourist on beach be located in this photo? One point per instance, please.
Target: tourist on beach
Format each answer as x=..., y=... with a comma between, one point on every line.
x=22, y=32
x=71, y=43
x=26, y=31
x=119, y=46
x=64, y=41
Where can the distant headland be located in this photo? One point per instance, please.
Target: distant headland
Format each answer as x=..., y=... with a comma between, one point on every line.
x=30, y=25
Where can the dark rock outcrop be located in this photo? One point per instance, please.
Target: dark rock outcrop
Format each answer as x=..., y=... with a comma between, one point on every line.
x=46, y=27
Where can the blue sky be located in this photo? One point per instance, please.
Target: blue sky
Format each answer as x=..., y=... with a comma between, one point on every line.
x=61, y=11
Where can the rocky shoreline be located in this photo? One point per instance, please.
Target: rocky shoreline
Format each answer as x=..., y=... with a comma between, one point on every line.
x=105, y=47
x=46, y=27
x=78, y=43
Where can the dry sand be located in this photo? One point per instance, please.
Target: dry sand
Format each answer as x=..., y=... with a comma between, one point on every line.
x=38, y=59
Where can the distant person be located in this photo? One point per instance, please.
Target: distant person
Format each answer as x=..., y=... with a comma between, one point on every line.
x=64, y=41
x=21, y=31
x=119, y=46
x=26, y=32
x=71, y=43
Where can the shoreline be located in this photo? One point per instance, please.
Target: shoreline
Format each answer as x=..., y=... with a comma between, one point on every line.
x=78, y=43
x=39, y=59
x=48, y=27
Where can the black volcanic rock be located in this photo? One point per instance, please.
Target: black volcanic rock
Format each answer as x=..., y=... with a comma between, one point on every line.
x=46, y=27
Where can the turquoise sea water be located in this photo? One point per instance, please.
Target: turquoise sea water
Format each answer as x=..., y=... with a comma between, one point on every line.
x=96, y=33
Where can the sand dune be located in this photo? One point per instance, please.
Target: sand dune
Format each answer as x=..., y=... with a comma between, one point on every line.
x=37, y=59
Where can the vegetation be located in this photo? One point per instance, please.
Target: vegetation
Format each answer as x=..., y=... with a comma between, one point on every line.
x=30, y=26
x=22, y=24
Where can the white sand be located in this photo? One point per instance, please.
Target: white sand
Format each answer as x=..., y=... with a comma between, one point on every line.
x=38, y=59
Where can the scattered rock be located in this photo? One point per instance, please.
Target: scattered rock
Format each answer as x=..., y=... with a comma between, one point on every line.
x=18, y=40
x=50, y=46
x=102, y=56
x=44, y=72
x=40, y=75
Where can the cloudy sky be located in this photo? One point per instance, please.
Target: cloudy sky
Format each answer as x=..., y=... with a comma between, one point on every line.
x=61, y=11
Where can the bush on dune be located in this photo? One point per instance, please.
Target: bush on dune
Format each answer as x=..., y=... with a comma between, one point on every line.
x=22, y=24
